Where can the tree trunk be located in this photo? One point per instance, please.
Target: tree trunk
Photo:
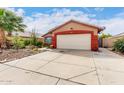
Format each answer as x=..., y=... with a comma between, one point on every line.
x=2, y=38
x=9, y=33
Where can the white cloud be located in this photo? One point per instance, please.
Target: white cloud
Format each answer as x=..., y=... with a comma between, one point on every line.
x=44, y=22
x=114, y=25
x=99, y=9
x=120, y=14
x=19, y=11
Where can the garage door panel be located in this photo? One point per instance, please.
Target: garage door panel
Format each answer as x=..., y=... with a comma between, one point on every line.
x=74, y=41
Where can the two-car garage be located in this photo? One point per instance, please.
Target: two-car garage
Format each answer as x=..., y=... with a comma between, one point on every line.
x=74, y=41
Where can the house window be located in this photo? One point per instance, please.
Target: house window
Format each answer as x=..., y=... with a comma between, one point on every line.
x=48, y=40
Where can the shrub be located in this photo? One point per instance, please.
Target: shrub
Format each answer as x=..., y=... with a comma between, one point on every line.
x=38, y=44
x=33, y=38
x=46, y=45
x=18, y=42
x=21, y=44
x=27, y=42
x=119, y=45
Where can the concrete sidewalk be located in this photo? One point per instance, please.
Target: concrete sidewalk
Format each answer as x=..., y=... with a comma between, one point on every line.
x=65, y=67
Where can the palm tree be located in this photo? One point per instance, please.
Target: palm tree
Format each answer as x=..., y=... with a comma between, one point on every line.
x=13, y=22
x=9, y=22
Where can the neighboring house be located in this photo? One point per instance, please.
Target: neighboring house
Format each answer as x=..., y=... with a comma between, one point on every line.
x=74, y=35
x=108, y=42
x=27, y=34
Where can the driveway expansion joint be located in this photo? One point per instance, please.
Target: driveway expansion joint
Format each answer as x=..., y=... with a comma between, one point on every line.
x=74, y=64
x=5, y=69
x=57, y=81
x=44, y=74
x=48, y=62
x=81, y=74
x=96, y=69
x=112, y=70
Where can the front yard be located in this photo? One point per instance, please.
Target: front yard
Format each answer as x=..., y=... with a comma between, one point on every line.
x=12, y=45
x=12, y=54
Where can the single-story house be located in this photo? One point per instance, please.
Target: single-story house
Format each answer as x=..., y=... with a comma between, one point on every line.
x=74, y=35
x=27, y=35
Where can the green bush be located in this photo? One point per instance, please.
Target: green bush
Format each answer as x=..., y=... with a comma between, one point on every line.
x=33, y=39
x=27, y=42
x=119, y=45
x=18, y=43
x=21, y=44
x=38, y=44
x=105, y=35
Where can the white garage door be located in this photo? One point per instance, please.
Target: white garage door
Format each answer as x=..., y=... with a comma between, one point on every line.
x=74, y=41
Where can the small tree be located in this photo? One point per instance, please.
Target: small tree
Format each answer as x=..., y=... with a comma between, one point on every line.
x=33, y=38
x=34, y=41
x=105, y=35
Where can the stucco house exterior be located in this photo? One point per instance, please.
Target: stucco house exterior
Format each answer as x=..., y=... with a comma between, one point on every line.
x=109, y=42
x=74, y=35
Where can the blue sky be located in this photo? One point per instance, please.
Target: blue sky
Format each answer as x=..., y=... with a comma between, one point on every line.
x=105, y=12
x=45, y=18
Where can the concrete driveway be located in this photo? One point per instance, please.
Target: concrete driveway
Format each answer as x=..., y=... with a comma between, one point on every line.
x=65, y=67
